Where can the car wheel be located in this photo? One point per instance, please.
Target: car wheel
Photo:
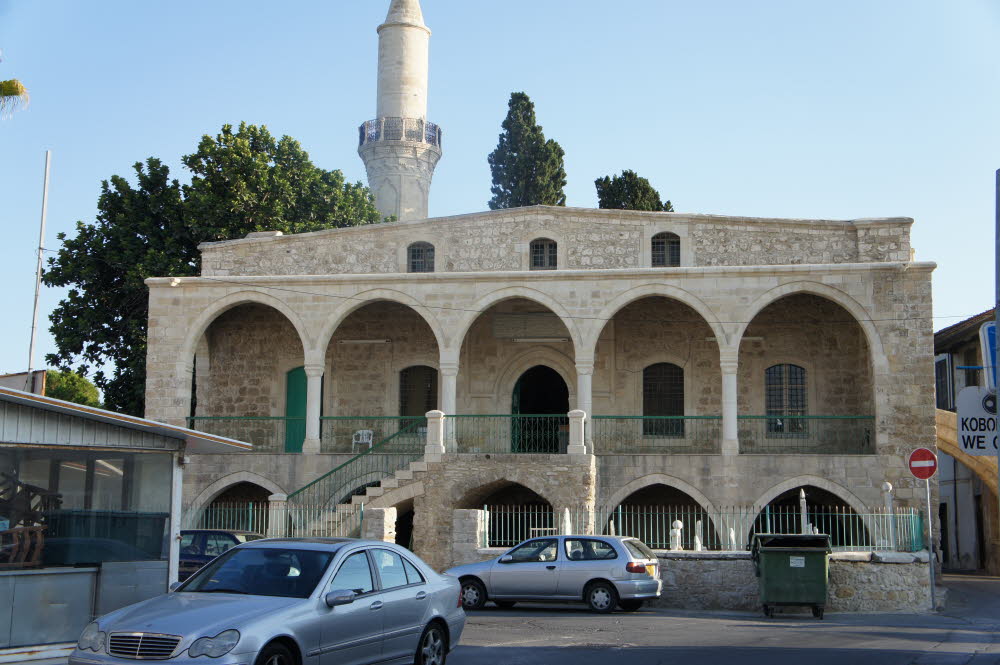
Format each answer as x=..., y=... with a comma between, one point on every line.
x=473, y=594
x=630, y=605
x=601, y=597
x=505, y=604
x=433, y=648
x=275, y=654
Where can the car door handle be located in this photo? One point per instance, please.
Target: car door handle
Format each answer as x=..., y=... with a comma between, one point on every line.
x=421, y=595
x=551, y=567
x=377, y=605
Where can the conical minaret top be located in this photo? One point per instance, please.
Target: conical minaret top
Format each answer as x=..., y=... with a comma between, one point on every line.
x=399, y=147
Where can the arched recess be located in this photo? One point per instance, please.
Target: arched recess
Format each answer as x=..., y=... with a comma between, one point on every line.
x=511, y=293
x=514, y=512
x=596, y=326
x=657, y=479
x=349, y=306
x=209, y=494
x=222, y=305
x=848, y=497
x=516, y=367
x=853, y=307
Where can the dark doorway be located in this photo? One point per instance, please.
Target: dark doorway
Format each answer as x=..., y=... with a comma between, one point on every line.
x=404, y=525
x=542, y=399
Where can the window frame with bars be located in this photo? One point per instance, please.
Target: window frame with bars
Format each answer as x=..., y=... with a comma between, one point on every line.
x=785, y=396
x=543, y=254
x=420, y=257
x=663, y=404
x=430, y=397
x=668, y=255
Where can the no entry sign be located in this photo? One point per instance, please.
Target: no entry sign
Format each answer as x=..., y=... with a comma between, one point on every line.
x=923, y=463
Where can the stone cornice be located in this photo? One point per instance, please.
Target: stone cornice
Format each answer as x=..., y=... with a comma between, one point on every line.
x=553, y=275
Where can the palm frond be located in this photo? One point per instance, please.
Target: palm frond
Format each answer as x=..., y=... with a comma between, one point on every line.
x=13, y=95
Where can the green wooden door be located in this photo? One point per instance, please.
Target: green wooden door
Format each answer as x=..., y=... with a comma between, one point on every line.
x=295, y=410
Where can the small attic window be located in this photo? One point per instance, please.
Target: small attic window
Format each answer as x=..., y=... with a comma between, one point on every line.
x=420, y=257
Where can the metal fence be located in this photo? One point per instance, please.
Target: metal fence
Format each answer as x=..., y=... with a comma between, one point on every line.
x=511, y=433
x=399, y=129
x=730, y=528
x=822, y=435
x=343, y=521
x=656, y=435
x=356, y=434
x=230, y=515
x=267, y=434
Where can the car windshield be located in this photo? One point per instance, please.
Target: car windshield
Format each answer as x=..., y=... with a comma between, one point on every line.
x=262, y=571
x=639, y=549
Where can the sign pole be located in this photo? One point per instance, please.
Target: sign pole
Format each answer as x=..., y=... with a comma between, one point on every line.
x=997, y=315
x=930, y=543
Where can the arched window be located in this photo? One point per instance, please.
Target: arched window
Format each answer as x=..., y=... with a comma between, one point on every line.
x=420, y=257
x=544, y=254
x=666, y=250
x=663, y=399
x=785, y=395
x=418, y=391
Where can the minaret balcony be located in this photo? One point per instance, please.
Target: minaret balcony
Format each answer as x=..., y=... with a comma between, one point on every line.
x=413, y=130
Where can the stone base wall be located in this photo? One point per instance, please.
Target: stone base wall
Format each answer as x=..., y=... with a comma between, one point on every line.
x=859, y=582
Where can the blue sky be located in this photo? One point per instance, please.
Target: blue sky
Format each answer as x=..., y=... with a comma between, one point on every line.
x=773, y=108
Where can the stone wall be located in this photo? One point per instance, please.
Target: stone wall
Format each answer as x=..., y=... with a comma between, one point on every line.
x=859, y=582
x=588, y=239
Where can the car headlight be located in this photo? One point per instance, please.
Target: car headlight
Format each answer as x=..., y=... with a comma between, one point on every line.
x=215, y=647
x=91, y=638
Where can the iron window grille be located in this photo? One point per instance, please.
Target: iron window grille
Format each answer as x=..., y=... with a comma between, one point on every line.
x=663, y=395
x=544, y=254
x=418, y=393
x=666, y=250
x=420, y=257
x=785, y=395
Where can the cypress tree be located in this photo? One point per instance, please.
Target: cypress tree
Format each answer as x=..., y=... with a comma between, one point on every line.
x=629, y=191
x=527, y=169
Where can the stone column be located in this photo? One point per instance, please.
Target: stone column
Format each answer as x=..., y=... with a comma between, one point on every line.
x=584, y=396
x=729, y=364
x=314, y=407
x=277, y=514
x=577, y=422
x=435, y=436
x=449, y=397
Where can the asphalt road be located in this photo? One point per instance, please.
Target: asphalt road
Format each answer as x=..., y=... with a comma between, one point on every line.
x=965, y=633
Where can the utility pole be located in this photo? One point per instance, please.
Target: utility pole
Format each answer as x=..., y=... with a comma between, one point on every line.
x=38, y=271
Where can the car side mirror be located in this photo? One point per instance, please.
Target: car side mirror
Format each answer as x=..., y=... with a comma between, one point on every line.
x=339, y=597
x=174, y=586
x=506, y=558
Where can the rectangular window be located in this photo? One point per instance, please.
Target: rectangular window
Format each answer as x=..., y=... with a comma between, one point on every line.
x=544, y=255
x=785, y=395
x=942, y=381
x=971, y=359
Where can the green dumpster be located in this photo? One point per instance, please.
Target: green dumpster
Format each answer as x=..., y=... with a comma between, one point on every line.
x=792, y=569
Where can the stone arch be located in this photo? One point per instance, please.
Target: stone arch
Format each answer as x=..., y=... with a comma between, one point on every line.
x=356, y=302
x=496, y=479
x=510, y=293
x=657, y=479
x=207, y=495
x=848, y=497
x=652, y=289
x=226, y=303
x=852, y=306
x=542, y=355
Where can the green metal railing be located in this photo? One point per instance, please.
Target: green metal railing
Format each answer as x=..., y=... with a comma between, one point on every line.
x=506, y=526
x=816, y=435
x=656, y=435
x=316, y=503
x=510, y=433
x=230, y=515
x=354, y=434
x=267, y=434
x=301, y=521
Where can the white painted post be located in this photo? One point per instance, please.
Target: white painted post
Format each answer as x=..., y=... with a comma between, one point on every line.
x=435, y=436
x=730, y=421
x=176, y=491
x=698, y=531
x=675, y=535
x=314, y=408
x=890, y=514
x=277, y=516
x=576, y=427
x=803, y=513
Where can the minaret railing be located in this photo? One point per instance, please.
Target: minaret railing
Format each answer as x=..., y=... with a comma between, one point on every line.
x=411, y=130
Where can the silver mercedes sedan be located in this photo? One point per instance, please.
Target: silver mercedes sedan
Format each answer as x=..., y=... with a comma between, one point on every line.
x=603, y=571
x=320, y=601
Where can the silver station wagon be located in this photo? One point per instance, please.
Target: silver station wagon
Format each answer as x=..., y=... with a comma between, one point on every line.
x=290, y=602
x=603, y=571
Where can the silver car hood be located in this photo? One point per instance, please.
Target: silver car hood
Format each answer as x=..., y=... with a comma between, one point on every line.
x=194, y=614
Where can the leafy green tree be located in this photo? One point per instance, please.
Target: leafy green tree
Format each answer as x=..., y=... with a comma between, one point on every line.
x=71, y=387
x=242, y=182
x=527, y=168
x=629, y=191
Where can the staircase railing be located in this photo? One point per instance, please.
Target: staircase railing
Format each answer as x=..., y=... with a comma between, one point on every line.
x=318, y=500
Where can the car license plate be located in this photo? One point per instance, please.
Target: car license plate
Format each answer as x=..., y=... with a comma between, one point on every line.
x=651, y=569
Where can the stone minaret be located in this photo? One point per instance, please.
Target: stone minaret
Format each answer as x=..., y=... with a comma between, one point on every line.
x=399, y=147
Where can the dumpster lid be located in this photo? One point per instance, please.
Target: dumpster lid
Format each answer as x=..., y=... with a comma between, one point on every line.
x=794, y=541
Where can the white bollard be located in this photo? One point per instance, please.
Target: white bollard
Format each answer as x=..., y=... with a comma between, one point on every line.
x=675, y=535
